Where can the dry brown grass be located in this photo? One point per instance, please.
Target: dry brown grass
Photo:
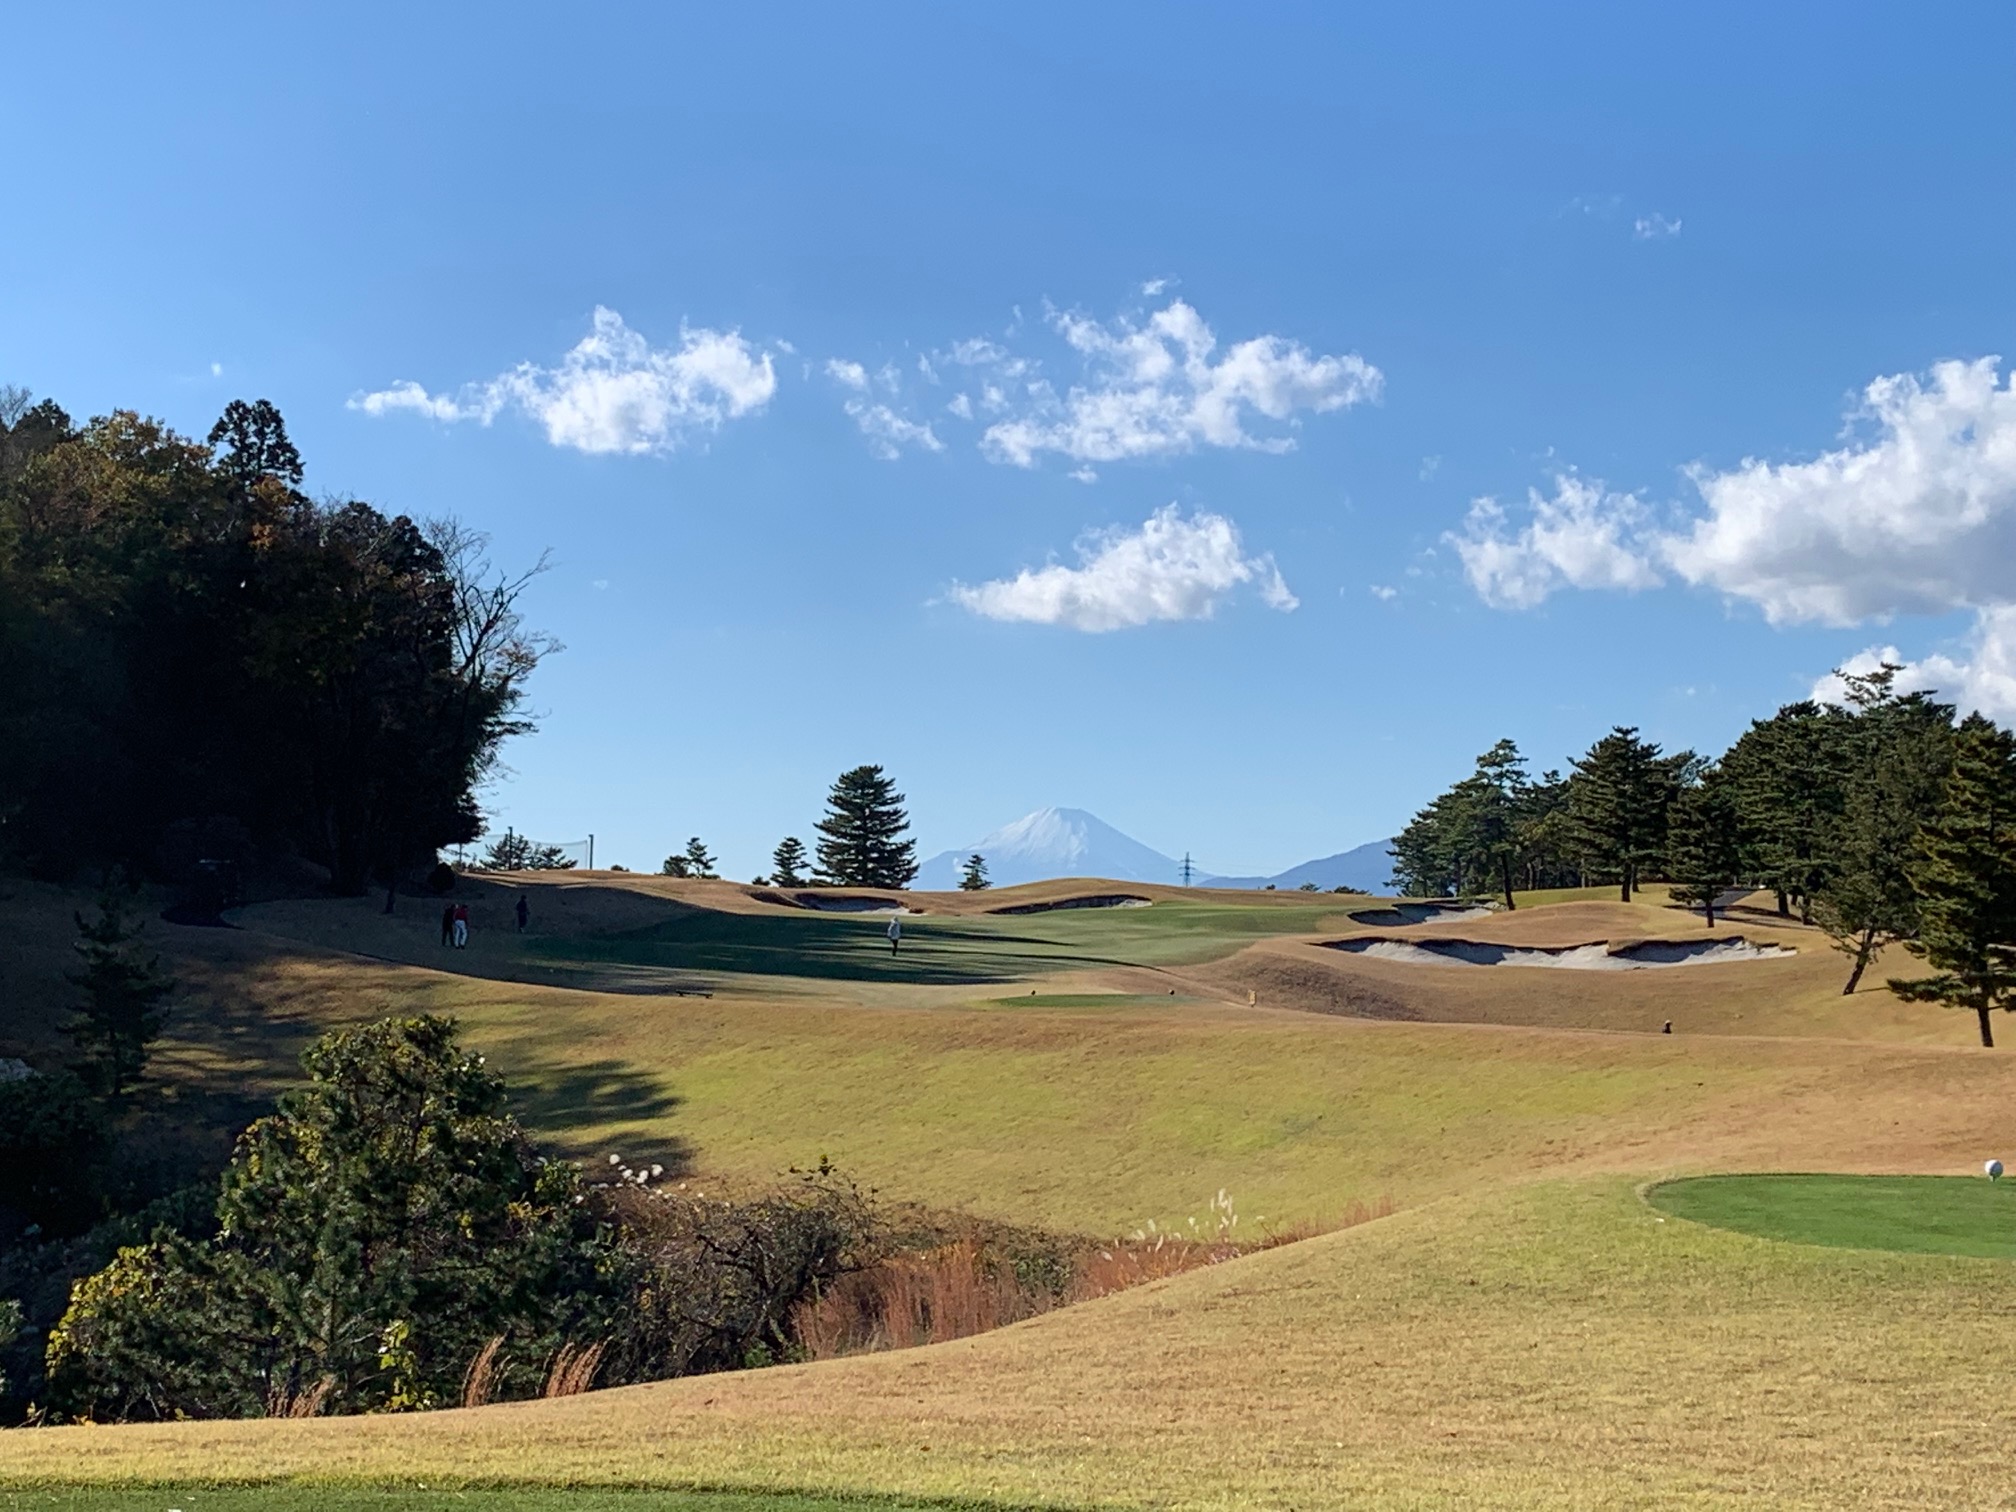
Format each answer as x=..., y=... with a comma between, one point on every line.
x=573, y=1369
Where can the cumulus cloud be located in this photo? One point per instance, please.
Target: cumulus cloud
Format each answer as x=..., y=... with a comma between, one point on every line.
x=1914, y=514
x=1917, y=517
x=1161, y=387
x=1168, y=569
x=1583, y=536
x=614, y=392
x=1984, y=678
x=1654, y=227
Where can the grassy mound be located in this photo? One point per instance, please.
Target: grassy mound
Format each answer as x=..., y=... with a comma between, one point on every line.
x=1917, y=1215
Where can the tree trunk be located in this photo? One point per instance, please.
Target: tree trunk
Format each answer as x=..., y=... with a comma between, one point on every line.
x=1784, y=904
x=1805, y=908
x=1624, y=883
x=1987, y=1034
x=1708, y=906
x=1863, y=950
x=1507, y=870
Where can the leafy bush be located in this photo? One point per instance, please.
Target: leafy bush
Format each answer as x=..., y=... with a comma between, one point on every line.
x=53, y=1140
x=374, y=1234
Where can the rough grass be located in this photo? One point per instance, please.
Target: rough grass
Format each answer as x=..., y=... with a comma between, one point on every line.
x=1556, y=1344
x=323, y=1498
x=1930, y=1215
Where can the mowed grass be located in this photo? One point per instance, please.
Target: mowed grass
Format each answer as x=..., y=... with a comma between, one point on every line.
x=1550, y=1344
x=968, y=950
x=1930, y=1215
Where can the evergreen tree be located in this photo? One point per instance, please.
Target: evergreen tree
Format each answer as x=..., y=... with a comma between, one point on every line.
x=1965, y=875
x=675, y=865
x=1618, y=800
x=512, y=851
x=1896, y=754
x=1485, y=817
x=788, y=862
x=974, y=877
x=1787, y=774
x=1704, y=843
x=123, y=996
x=861, y=840
x=698, y=862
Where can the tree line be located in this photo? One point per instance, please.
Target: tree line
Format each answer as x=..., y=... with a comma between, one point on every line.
x=200, y=659
x=1883, y=819
x=864, y=841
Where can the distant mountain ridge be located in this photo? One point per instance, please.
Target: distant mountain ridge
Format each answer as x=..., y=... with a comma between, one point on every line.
x=1068, y=842
x=1368, y=866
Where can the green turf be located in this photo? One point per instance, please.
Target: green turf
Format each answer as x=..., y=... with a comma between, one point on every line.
x=947, y=950
x=1926, y=1215
x=291, y=1498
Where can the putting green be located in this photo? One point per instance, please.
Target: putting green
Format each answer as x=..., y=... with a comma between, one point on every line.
x=1926, y=1215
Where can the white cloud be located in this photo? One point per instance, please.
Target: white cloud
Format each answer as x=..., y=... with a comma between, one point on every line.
x=1918, y=518
x=216, y=370
x=1154, y=389
x=840, y=370
x=1153, y=288
x=614, y=392
x=1985, y=679
x=1169, y=569
x=1083, y=474
x=961, y=406
x=1654, y=227
x=1915, y=514
x=888, y=432
x=1582, y=537
x=1384, y=593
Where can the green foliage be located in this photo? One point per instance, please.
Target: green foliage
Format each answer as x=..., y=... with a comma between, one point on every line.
x=122, y=1012
x=10, y=1330
x=973, y=876
x=393, y=1189
x=1704, y=848
x=788, y=862
x=183, y=632
x=1618, y=801
x=1494, y=830
x=699, y=863
x=861, y=840
x=1895, y=754
x=1964, y=873
x=1787, y=774
x=53, y=1140
x=512, y=851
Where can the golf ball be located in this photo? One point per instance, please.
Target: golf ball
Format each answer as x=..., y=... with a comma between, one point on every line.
x=1994, y=1170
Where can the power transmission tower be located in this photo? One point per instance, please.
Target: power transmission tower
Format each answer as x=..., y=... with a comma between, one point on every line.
x=1188, y=870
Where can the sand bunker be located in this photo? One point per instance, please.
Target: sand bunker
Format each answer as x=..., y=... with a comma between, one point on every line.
x=1420, y=913
x=1101, y=900
x=852, y=905
x=1648, y=955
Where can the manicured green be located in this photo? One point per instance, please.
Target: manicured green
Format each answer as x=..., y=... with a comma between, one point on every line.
x=948, y=950
x=294, y=1498
x=1925, y=1215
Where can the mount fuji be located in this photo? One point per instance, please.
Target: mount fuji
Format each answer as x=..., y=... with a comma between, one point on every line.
x=1053, y=842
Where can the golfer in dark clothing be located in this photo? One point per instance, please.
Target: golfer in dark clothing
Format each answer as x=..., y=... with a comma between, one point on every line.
x=895, y=933
x=524, y=912
x=448, y=924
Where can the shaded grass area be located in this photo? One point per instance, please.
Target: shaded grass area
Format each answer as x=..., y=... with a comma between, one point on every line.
x=1918, y=1215
x=310, y=1498
x=942, y=950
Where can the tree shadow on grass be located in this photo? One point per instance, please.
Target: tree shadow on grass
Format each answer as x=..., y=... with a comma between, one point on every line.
x=566, y=1099
x=934, y=952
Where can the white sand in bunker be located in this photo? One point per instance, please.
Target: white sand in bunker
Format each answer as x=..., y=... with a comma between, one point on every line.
x=1597, y=956
x=853, y=905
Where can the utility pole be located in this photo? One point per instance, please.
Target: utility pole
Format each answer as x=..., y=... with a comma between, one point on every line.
x=1188, y=870
x=591, y=851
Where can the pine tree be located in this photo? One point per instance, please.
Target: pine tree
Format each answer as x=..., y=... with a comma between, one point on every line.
x=1704, y=843
x=122, y=1013
x=675, y=866
x=1965, y=877
x=861, y=842
x=1487, y=807
x=698, y=862
x=1895, y=759
x=508, y=852
x=974, y=877
x=1787, y=772
x=1618, y=799
x=787, y=863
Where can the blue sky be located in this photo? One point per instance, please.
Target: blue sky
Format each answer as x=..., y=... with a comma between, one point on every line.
x=1646, y=262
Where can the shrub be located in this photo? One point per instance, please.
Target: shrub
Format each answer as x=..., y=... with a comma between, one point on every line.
x=53, y=1139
